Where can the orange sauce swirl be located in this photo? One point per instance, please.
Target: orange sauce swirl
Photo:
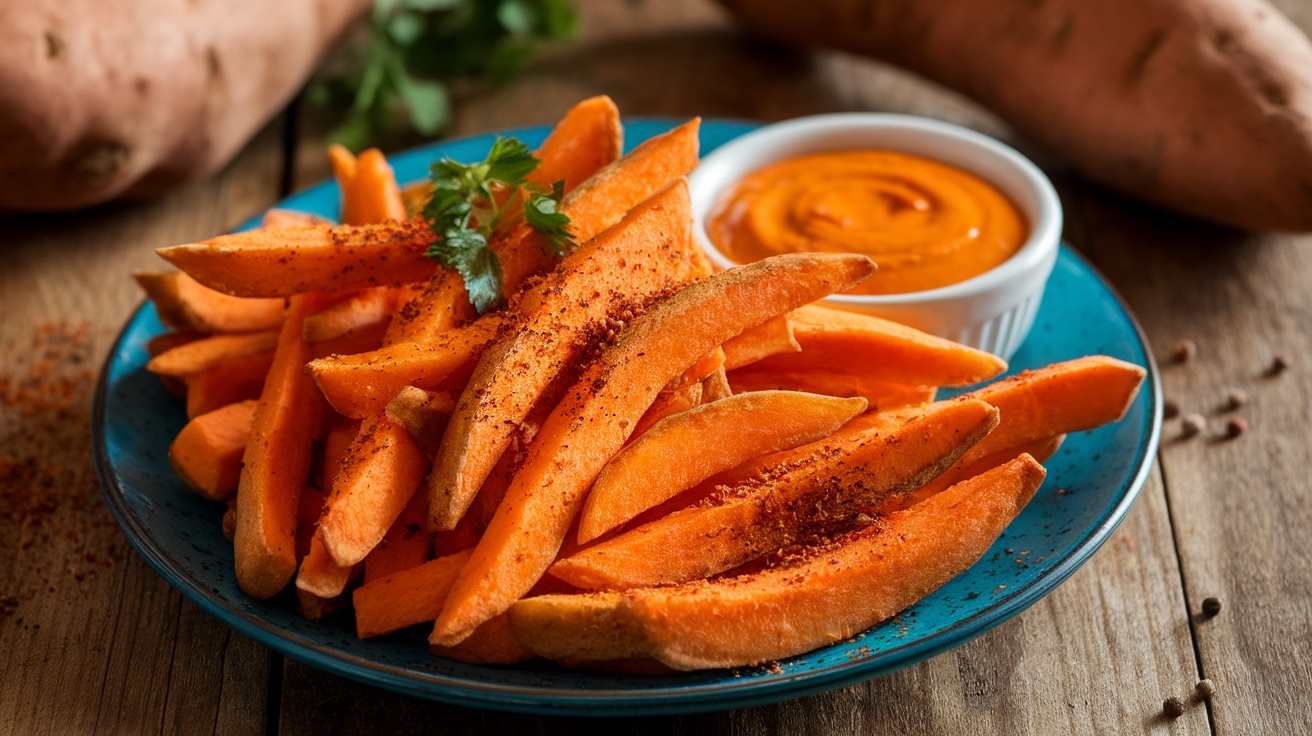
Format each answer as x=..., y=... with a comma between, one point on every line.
x=926, y=224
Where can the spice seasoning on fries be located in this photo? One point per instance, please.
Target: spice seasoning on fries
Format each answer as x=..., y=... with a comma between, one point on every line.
x=478, y=429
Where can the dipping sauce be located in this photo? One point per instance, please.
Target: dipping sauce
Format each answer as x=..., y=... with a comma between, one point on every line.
x=924, y=223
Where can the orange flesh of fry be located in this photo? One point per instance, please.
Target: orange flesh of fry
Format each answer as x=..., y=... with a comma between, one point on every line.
x=836, y=591
x=405, y=545
x=882, y=350
x=406, y=597
x=198, y=355
x=424, y=414
x=646, y=253
x=1071, y=396
x=768, y=338
x=268, y=263
x=881, y=395
x=206, y=454
x=233, y=380
x=676, y=453
x=370, y=193
x=896, y=455
x=183, y=303
x=360, y=385
x=491, y=643
x=596, y=417
x=716, y=386
x=276, y=462
x=587, y=138
x=319, y=575
x=1040, y=450
x=668, y=404
x=381, y=472
x=367, y=309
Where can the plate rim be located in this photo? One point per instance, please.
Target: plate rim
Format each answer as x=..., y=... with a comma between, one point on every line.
x=603, y=702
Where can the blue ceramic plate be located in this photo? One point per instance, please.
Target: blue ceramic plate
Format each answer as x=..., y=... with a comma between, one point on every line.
x=1099, y=474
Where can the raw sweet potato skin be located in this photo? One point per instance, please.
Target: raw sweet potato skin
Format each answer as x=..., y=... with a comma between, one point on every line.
x=1204, y=107
x=94, y=105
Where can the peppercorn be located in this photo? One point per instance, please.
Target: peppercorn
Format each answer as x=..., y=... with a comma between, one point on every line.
x=1278, y=365
x=1170, y=409
x=1173, y=707
x=1205, y=688
x=1211, y=606
x=1192, y=424
x=1183, y=351
x=1235, y=398
x=1235, y=427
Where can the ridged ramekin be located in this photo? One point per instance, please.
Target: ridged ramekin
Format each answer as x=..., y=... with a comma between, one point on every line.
x=993, y=311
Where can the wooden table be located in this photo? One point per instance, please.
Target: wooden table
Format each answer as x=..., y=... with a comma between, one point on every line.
x=95, y=641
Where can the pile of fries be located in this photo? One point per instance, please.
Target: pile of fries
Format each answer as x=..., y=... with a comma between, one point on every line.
x=632, y=458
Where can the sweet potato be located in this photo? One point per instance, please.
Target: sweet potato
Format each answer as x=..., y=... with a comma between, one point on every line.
x=685, y=449
x=596, y=417
x=226, y=382
x=896, y=455
x=360, y=385
x=491, y=643
x=276, y=462
x=379, y=475
x=1040, y=450
x=881, y=395
x=1203, y=106
x=406, y=544
x=424, y=414
x=268, y=263
x=199, y=355
x=151, y=95
x=587, y=138
x=668, y=403
x=406, y=597
x=184, y=304
x=367, y=309
x=206, y=454
x=644, y=254
x=716, y=386
x=830, y=594
x=878, y=349
x=319, y=574
x=369, y=191
x=769, y=338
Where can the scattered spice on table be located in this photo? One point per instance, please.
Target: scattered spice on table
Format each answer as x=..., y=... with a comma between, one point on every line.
x=1211, y=606
x=1173, y=707
x=1170, y=409
x=1183, y=351
x=1205, y=688
x=1279, y=364
x=1192, y=424
x=1235, y=427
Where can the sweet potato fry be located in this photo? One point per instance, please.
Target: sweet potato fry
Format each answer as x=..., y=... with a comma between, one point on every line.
x=491, y=643
x=232, y=380
x=881, y=395
x=206, y=454
x=644, y=254
x=406, y=597
x=424, y=414
x=716, y=386
x=319, y=574
x=882, y=350
x=369, y=191
x=896, y=455
x=405, y=545
x=837, y=590
x=369, y=308
x=672, y=456
x=276, y=462
x=164, y=342
x=381, y=472
x=184, y=304
x=360, y=386
x=668, y=403
x=587, y=138
x=269, y=263
x=771, y=337
x=1040, y=450
x=597, y=416
x=198, y=355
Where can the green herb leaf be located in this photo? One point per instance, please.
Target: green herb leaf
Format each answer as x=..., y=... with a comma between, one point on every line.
x=542, y=213
x=510, y=161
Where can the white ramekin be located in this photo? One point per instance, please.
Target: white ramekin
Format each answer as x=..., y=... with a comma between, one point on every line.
x=993, y=311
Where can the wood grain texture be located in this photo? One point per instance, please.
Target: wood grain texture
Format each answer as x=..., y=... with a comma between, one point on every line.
x=96, y=641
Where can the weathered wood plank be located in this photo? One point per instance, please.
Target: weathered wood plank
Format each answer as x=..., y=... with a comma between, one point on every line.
x=96, y=641
x=1241, y=506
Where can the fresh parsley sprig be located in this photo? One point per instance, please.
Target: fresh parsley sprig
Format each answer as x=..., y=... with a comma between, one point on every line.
x=464, y=212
